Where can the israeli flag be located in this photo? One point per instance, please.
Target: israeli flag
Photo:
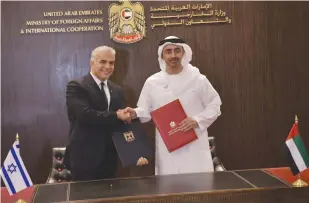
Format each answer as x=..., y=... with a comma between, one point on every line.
x=13, y=171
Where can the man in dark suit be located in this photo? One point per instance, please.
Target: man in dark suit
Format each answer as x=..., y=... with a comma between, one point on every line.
x=94, y=106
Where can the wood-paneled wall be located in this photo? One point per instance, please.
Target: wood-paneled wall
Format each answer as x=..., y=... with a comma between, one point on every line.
x=258, y=64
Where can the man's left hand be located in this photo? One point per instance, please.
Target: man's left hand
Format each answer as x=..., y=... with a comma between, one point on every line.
x=142, y=161
x=188, y=124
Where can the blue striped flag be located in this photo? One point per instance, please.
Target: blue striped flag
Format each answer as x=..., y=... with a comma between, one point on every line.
x=13, y=171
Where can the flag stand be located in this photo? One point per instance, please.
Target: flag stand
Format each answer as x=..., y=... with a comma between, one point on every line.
x=299, y=182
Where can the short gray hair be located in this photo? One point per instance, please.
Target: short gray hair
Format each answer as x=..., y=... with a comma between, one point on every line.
x=102, y=49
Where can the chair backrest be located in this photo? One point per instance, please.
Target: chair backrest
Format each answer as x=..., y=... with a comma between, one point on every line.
x=59, y=172
x=218, y=166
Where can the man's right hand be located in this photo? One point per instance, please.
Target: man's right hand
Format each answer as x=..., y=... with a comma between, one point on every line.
x=124, y=116
x=131, y=111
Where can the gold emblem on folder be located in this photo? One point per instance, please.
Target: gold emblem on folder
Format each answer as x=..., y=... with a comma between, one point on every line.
x=128, y=136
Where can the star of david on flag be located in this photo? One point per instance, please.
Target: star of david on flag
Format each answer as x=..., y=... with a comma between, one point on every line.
x=13, y=171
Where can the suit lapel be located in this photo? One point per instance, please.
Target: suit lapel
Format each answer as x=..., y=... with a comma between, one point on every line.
x=91, y=83
x=93, y=86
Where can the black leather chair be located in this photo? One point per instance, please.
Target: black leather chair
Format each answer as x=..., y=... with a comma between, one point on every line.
x=59, y=171
x=218, y=166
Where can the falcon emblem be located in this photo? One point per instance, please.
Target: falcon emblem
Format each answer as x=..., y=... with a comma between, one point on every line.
x=126, y=22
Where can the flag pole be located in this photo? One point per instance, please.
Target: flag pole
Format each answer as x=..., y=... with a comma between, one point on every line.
x=299, y=182
x=18, y=194
x=20, y=200
x=296, y=119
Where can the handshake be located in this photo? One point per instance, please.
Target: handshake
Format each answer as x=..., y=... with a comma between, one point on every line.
x=126, y=114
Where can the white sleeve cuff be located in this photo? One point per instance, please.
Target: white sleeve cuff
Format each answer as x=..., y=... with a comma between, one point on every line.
x=200, y=123
x=142, y=115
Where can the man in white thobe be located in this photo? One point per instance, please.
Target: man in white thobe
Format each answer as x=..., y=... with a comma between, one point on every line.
x=178, y=79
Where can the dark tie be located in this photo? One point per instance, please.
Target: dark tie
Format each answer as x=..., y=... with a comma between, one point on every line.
x=103, y=92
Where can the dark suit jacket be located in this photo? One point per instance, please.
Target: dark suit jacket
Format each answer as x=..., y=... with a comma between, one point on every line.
x=91, y=124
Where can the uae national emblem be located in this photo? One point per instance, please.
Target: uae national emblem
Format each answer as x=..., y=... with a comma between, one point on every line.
x=128, y=136
x=172, y=124
x=126, y=22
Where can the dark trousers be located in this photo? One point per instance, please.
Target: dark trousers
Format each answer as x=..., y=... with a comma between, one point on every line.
x=105, y=170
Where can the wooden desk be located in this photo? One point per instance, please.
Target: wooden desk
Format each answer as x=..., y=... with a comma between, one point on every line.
x=241, y=186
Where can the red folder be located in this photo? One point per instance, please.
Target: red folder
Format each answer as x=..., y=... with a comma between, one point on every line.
x=167, y=119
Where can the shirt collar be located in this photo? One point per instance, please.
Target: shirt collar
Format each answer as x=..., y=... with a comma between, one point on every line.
x=97, y=80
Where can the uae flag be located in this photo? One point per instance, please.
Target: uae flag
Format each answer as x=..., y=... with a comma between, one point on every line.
x=297, y=154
